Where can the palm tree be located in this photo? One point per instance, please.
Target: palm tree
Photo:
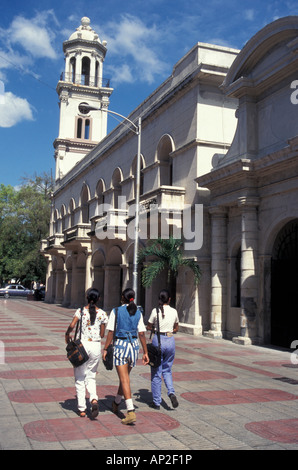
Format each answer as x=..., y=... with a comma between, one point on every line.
x=168, y=256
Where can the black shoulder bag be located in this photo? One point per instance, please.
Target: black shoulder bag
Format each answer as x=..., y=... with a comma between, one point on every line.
x=108, y=362
x=76, y=352
x=154, y=352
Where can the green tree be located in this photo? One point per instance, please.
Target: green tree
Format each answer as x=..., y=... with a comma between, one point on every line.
x=24, y=222
x=167, y=256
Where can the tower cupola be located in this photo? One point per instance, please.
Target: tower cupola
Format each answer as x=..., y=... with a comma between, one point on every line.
x=81, y=82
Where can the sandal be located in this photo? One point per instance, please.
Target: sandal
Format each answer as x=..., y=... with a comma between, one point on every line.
x=94, y=408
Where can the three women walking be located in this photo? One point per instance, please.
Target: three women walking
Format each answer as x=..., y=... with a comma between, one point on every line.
x=127, y=321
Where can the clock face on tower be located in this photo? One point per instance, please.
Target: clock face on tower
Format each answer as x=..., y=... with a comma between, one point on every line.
x=84, y=108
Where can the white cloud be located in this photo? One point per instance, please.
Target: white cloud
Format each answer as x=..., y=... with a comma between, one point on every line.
x=136, y=46
x=120, y=74
x=14, y=110
x=33, y=35
x=249, y=14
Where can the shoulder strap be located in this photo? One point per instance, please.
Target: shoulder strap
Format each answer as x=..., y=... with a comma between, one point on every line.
x=158, y=332
x=80, y=321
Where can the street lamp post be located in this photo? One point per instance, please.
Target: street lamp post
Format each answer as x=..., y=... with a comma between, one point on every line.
x=137, y=130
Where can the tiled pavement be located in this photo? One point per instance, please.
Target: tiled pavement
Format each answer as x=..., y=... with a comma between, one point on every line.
x=231, y=397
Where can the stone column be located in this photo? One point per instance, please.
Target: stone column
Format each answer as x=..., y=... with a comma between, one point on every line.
x=60, y=281
x=218, y=269
x=67, y=288
x=49, y=279
x=74, y=282
x=249, y=271
x=92, y=69
x=88, y=276
x=78, y=76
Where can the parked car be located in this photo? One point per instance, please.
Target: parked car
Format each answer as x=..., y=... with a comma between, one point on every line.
x=15, y=290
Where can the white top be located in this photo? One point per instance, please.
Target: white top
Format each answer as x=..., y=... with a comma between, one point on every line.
x=91, y=332
x=166, y=324
x=111, y=322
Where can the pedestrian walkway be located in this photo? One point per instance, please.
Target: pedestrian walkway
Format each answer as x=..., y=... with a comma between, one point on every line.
x=231, y=397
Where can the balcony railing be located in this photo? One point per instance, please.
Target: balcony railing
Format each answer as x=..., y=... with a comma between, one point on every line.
x=87, y=80
x=77, y=232
x=164, y=198
x=112, y=224
x=55, y=240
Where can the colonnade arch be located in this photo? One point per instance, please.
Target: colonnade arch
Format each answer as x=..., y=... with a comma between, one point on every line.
x=284, y=282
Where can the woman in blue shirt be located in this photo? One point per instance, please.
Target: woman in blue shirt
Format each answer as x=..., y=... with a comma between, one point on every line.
x=129, y=327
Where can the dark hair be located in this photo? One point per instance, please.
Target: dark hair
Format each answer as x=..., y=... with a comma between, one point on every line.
x=164, y=297
x=92, y=297
x=129, y=297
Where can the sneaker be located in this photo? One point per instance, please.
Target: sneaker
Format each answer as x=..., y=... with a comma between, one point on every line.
x=153, y=405
x=174, y=400
x=129, y=418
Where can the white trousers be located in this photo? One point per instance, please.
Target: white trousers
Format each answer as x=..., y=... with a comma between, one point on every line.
x=85, y=375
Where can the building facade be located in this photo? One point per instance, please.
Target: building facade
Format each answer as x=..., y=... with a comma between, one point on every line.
x=220, y=134
x=253, y=209
x=91, y=241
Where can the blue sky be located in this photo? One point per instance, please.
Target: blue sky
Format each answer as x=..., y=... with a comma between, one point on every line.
x=144, y=41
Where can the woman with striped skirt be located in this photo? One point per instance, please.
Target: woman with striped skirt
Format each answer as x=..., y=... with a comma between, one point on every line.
x=129, y=327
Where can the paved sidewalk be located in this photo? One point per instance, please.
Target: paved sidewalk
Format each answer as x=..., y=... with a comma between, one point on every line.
x=231, y=397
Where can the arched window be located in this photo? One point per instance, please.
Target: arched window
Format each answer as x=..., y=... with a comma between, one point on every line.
x=83, y=128
x=116, y=184
x=96, y=80
x=63, y=215
x=87, y=129
x=85, y=205
x=85, y=71
x=79, y=128
x=100, y=192
x=55, y=221
x=164, y=149
x=71, y=212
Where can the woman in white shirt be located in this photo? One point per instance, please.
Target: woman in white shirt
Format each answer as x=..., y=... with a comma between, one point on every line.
x=93, y=329
x=168, y=325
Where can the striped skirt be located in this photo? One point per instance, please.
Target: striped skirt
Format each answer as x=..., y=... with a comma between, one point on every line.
x=126, y=352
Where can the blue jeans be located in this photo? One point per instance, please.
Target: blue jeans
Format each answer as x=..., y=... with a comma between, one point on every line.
x=165, y=368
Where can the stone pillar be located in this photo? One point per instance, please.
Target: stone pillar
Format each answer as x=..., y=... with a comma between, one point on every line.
x=88, y=276
x=218, y=270
x=78, y=76
x=60, y=281
x=74, y=282
x=67, y=288
x=67, y=75
x=49, y=279
x=247, y=125
x=249, y=270
x=92, y=69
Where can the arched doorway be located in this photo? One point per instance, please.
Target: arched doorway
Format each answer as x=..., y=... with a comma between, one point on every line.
x=284, y=286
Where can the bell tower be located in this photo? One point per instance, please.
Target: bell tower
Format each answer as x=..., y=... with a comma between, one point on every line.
x=81, y=83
